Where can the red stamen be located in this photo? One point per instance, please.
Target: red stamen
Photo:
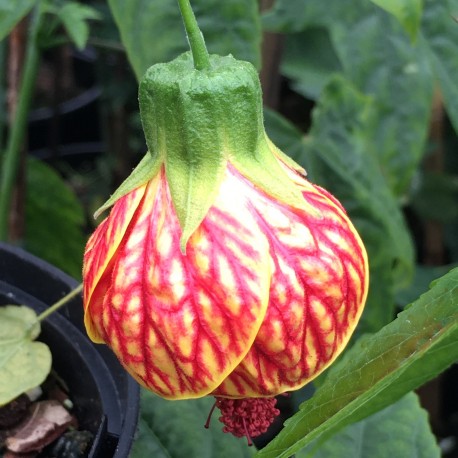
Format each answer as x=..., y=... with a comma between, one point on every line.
x=248, y=417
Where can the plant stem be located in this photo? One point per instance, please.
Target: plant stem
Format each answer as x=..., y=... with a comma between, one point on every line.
x=60, y=303
x=195, y=37
x=2, y=92
x=17, y=132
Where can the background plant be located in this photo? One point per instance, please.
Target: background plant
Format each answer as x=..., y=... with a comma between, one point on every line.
x=363, y=96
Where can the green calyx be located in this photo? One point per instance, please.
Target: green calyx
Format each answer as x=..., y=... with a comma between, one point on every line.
x=193, y=119
x=200, y=112
x=195, y=122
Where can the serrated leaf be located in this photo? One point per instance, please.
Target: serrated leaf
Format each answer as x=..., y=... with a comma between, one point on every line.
x=24, y=364
x=398, y=77
x=11, y=12
x=407, y=12
x=175, y=429
x=74, y=17
x=54, y=219
x=399, y=430
x=379, y=59
x=230, y=27
x=379, y=369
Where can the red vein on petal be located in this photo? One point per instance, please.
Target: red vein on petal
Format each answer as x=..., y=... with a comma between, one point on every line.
x=324, y=341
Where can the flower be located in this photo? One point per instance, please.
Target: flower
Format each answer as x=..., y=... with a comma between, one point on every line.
x=265, y=298
x=221, y=270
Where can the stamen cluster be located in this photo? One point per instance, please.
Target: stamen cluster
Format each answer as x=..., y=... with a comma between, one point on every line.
x=249, y=417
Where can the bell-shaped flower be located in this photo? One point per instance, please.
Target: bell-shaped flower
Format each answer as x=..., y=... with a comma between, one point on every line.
x=221, y=269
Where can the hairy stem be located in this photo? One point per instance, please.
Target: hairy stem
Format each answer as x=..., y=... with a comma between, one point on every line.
x=195, y=37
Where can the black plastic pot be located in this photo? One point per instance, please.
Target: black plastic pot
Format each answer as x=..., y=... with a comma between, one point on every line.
x=106, y=398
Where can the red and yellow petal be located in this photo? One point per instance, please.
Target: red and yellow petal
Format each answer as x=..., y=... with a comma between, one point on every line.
x=317, y=294
x=101, y=249
x=180, y=324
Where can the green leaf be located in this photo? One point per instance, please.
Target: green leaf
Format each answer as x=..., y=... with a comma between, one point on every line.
x=24, y=364
x=74, y=17
x=54, y=219
x=147, y=443
x=440, y=32
x=378, y=58
x=401, y=429
x=309, y=60
x=292, y=16
x=175, y=429
x=379, y=370
x=11, y=12
x=153, y=32
x=407, y=12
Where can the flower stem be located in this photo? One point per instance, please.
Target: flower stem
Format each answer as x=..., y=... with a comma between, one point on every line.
x=195, y=37
x=60, y=303
x=11, y=156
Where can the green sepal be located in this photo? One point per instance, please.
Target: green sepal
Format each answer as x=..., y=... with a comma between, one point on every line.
x=146, y=169
x=286, y=159
x=194, y=119
x=193, y=188
x=263, y=170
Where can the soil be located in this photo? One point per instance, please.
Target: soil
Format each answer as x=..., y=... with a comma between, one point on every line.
x=41, y=424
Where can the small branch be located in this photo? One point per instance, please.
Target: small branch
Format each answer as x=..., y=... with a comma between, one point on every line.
x=60, y=303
